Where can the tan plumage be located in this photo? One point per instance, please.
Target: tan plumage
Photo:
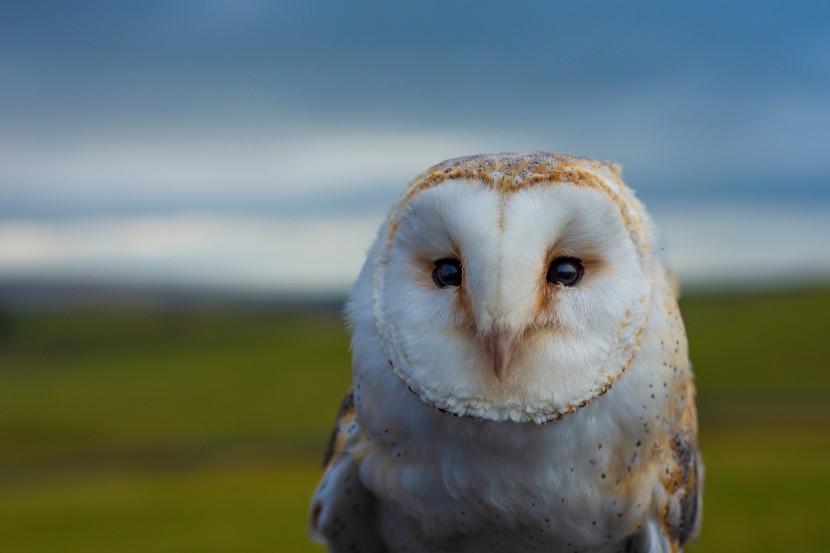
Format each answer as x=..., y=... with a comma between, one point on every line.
x=521, y=379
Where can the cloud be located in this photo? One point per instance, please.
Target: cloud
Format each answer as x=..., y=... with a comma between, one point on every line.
x=715, y=244
x=309, y=255
x=109, y=170
x=668, y=141
x=115, y=108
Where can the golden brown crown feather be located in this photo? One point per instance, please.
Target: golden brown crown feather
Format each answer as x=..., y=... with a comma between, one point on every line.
x=510, y=171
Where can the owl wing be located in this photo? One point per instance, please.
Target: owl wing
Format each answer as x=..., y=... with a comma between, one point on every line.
x=681, y=482
x=342, y=509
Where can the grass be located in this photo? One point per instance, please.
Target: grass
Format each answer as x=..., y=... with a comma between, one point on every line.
x=244, y=506
x=202, y=429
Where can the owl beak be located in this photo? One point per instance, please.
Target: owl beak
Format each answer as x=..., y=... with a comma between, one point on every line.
x=501, y=346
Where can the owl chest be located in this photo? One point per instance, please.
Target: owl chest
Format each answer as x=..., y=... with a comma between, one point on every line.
x=532, y=488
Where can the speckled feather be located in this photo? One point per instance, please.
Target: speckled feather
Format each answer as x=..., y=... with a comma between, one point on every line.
x=609, y=465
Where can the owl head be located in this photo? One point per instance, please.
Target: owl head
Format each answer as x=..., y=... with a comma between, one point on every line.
x=511, y=287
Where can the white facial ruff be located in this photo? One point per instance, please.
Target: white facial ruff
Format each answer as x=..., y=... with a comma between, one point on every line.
x=508, y=173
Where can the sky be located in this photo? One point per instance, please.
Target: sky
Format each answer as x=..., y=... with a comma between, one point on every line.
x=257, y=145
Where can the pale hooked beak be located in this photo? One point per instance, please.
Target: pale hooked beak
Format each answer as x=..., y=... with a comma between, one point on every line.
x=501, y=346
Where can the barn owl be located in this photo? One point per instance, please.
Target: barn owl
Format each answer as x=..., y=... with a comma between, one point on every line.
x=520, y=372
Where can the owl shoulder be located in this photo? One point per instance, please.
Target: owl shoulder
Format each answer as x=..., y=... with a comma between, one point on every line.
x=342, y=510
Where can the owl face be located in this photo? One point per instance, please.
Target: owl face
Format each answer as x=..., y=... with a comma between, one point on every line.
x=518, y=299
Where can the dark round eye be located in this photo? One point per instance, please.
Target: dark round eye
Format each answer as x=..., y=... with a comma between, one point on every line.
x=565, y=270
x=447, y=272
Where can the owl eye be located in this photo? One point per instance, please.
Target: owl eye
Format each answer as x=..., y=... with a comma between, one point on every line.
x=447, y=272
x=565, y=270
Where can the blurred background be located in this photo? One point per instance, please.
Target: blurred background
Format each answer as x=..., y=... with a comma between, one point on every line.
x=188, y=188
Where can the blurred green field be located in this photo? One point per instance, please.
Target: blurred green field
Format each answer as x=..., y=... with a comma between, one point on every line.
x=168, y=429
